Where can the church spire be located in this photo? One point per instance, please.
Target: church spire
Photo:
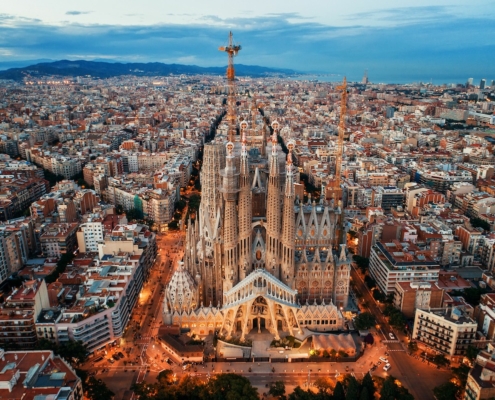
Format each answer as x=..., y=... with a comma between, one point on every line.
x=245, y=209
x=289, y=222
x=273, y=212
x=230, y=232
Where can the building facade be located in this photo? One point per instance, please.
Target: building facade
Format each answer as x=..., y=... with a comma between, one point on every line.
x=448, y=331
x=258, y=257
x=400, y=262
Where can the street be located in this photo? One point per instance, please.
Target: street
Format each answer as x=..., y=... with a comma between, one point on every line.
x=418, y=377
x=141, y=356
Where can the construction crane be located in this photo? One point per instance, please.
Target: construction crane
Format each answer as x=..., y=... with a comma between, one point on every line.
x=340, y=141
x=232, y=50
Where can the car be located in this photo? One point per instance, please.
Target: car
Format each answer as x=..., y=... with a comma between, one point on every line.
x=386, y=367
x=384, y=360
x=98, y=359
x=391, y=335
x=116, y=357
x=121, y=355
x=111, y=361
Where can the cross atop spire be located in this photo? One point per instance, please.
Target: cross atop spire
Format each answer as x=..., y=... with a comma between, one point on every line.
x=275, y=126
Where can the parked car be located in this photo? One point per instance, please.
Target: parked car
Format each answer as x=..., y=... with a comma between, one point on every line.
x=391, y=335
x=111, y=361
x=384, y=360
x=116, y=357
x=386, y=367
x=121, y=355
x=98, y=359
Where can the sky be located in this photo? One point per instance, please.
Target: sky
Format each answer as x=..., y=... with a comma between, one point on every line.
x=395, y=40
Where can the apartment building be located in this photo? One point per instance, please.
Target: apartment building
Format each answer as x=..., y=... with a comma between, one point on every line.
x=89, y=235
x=14, y=252
x=409, y=296
x=448, y=331
x=484, y=314
x=37, y=375
x=58, y=239
x=18, y=315
x=394, y=262
x=17, y=192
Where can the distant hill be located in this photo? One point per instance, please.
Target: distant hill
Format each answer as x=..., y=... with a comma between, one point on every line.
x=65, y=68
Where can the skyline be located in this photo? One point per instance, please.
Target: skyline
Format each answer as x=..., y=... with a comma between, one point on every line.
x=444, y=41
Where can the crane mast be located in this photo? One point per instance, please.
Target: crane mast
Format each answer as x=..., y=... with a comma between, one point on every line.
x=340, y=141
x=231, y=49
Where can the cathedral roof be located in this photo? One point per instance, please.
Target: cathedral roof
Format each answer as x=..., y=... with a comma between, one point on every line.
x=182, y=291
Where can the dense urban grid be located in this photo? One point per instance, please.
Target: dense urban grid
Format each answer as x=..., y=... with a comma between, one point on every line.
x=180, y=237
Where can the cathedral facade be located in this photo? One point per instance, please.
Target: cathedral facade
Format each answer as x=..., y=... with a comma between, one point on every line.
x=256, y=256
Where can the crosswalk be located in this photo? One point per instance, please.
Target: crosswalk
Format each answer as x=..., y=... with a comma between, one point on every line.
x=390, y=341
x=395, y=350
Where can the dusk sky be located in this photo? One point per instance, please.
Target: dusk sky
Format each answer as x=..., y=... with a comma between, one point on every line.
x=401, y=40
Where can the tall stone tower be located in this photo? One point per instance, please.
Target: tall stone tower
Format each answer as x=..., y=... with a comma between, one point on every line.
x=288, y=234
x=229, y=190
x=210, y=223
x=245, y=209
x=273, y=210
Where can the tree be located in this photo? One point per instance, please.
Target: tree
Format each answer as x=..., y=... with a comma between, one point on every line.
x=370, y=282
x=446, y=391
x=389, y=310
x=363, y=263
x=365, y=395
x=194, y=202
x=481, y=223
x=440, y=360
x=369, y=385
x=461, y=373
x=277, y=389
x=230, y=387
x=338, y=393
x=397, y=320
x=74, y=350
x=389, y=389
x=300, y=394
x=472, y=353
x=378, y=295
x=352, y=391
x=97, y=390
x=364, y=320
x=471, y=295
x=323, y=384
x=412, y=346
x=180, y=205
x=173, y=225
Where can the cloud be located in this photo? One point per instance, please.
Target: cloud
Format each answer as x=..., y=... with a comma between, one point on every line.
x=77, y=12
x=423, y=49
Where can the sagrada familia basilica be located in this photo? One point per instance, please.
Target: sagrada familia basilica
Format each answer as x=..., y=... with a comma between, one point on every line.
x=258, y=257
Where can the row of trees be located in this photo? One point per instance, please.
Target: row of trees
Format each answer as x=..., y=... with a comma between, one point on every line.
x=233, y=386
x=348, y=388
x=396, y=319
x=65, y=259
x=219, y=387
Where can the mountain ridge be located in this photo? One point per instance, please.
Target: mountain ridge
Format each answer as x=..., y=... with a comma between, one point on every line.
x=100, y=69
